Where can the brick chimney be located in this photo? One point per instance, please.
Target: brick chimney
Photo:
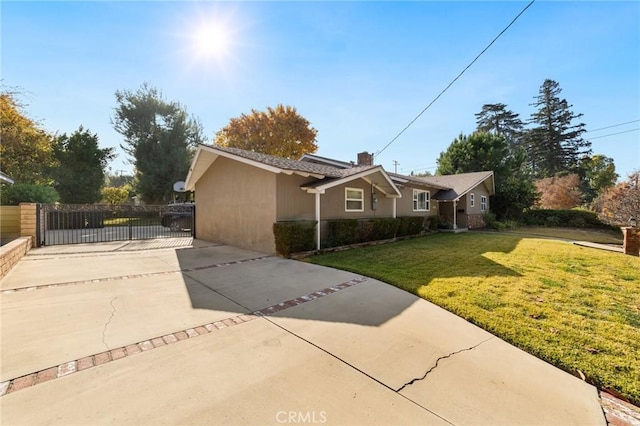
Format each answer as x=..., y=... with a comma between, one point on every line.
x=365, y=159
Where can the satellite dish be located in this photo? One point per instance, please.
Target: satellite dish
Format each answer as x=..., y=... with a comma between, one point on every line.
x=179, y=186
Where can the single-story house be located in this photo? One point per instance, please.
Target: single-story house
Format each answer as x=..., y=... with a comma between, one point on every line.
x=240, y=194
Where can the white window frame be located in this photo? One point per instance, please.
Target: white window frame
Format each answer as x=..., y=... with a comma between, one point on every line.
x=472, y=199
x=347, y=199
x=416, y=200
x=483, y=203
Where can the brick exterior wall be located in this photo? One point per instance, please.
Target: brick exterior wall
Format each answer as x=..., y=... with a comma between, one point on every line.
x=475, y=221
x=11, y=253
x=631, y=245
x=28, y=222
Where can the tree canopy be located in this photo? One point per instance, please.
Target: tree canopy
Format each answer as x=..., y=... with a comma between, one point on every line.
x=555, y=144
x=159, y=136
x=483, y=151
x=26, y=152
x=598, y=172
x=80, y=174
x=278, y=131
x=619, y=203
x=562, y=192
x=495, y=118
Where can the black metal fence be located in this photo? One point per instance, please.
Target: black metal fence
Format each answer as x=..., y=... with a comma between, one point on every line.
x=91, y=223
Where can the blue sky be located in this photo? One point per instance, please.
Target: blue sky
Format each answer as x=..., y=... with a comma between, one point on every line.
x=358, y=71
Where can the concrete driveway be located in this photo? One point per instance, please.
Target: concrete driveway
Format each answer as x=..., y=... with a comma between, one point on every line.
x=169, y=333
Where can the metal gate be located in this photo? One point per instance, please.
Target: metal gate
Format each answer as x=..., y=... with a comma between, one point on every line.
x=92, y=223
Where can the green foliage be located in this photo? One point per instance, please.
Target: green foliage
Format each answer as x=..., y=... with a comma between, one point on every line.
x=116, y=194
x=483, y=151
x=26, y=150
x=12, y=195
x=342, y=232
x=575, y=218
x=432, y=223
x=555, y=145
x=383, y=229
x=294, y=237
x=410, y=225
x=496, y=119
x=159, y=136
x=598, y=173
x=80, y=174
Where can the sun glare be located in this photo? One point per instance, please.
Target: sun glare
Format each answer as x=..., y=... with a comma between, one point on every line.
x=212, y=41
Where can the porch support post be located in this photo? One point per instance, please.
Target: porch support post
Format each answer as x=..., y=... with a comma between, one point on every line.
x=455, y=214
x=394, y=207
x=317, y=221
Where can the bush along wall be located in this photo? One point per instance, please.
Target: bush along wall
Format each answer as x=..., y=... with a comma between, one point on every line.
x=294, y=237
x=574, y=218
x=342, y=232
x=410, y=225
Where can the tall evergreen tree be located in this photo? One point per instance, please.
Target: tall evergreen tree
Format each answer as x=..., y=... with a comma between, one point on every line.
x=555, y=144
x=497, y=119
x=80, y=174
x=160, y=137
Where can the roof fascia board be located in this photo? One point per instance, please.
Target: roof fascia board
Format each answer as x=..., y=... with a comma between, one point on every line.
x=476, y=184
x=240, y=159
x=361, y=175
x=189, y=186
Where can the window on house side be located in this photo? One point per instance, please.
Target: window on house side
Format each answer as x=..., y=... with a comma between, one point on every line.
x=483, y=203
x=472, y=199
x=353, y=200
x=421, y=202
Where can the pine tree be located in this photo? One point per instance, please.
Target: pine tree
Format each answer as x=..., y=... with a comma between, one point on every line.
x=496, y=119
x=554, y=145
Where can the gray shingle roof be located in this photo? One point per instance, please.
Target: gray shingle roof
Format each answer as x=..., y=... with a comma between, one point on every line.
x=416, y=180
x=460, y=184
x=292, y=165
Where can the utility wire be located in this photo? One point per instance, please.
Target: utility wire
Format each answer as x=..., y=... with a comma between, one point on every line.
x=613, y=134
x=455, y=79
x=613, y=125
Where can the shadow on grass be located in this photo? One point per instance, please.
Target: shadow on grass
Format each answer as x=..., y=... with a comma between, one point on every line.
x=417, y=262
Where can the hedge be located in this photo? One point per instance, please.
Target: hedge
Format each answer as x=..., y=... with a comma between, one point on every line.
x=564, y=218
x=294, y=237
x=410, y=225
x=342, y=232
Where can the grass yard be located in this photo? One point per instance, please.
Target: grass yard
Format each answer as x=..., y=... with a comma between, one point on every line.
x=574, y=234
x=575, y=307
x=133, y=221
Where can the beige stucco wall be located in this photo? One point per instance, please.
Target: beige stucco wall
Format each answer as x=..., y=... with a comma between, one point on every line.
x=405, y=204
x=478, y=191
x=236, y=205
x=292, y=202
x=332, y=202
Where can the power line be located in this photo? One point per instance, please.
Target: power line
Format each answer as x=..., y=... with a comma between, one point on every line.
x=613, y=125
x=613, y=134
x=455, y=79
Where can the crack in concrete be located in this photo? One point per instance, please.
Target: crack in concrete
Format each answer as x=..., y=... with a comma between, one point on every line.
x=424, y=376
x=104, y=331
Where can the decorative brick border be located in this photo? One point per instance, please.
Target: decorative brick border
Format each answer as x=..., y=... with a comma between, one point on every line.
x=70, y=367
x=129, y=277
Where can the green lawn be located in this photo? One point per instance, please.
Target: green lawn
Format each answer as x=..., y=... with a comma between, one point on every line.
x=575, y=234
x=575, y=307
x=133, y=221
